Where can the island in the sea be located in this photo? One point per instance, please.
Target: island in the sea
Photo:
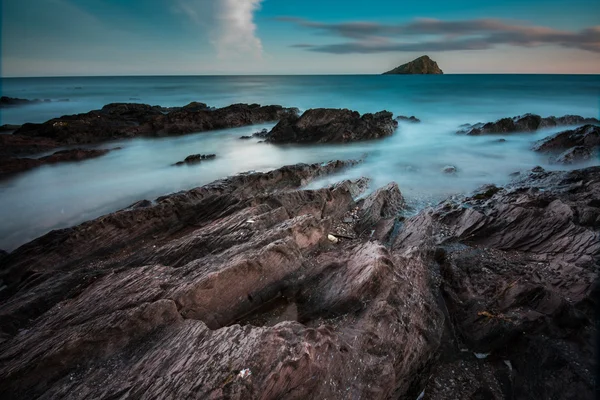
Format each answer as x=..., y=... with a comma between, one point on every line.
x=421, y=65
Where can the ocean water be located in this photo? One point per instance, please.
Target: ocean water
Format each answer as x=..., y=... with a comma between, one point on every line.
x=59, y=196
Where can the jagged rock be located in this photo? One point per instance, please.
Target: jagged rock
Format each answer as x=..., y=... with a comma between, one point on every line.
x=123, y=120
x=181, y=296
x=196, y=158
x=6, y=101
x=574, y=155
x=378, y=211
x=329, y=125
x=421, y=65
x=17, y=145
x=13, y=165
x=518, y=272
x=245, y=137
x=587, y=135
x=524, y=123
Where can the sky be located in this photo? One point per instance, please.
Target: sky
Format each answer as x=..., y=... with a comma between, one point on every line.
x=193, y=37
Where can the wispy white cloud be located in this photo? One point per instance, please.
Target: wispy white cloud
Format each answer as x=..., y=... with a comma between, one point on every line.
x=230, y=24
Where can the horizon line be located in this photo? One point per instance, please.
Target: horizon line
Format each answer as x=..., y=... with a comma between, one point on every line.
x=262, y=75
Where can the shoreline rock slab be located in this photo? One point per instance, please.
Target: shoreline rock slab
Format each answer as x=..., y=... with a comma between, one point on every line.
x=524, y=123
x=195, y=159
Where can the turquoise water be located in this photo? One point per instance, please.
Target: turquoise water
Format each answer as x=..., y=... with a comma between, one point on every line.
x=59, y=196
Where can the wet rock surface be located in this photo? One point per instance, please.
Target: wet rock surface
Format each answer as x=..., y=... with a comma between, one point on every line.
x=330, y=125
x=236, y=290
x=124, y=120
x=412, y=119
x=524, y=123
x=11, y=165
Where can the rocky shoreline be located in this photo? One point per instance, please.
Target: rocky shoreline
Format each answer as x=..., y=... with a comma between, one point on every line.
x=255, y=287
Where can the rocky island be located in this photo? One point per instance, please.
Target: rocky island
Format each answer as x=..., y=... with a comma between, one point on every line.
x=422, y=65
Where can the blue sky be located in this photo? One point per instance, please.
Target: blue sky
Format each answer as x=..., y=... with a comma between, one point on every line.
x=147, y=37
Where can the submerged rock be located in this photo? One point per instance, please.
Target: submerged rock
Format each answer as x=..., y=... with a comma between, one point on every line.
x=6, y=101
x=330, y=125
x=449, y=169
x=196, y=158
x=421, y=65
x=524, y=123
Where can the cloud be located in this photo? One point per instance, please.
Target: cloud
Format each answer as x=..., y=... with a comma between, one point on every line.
x=437, y=35
x=230, y=23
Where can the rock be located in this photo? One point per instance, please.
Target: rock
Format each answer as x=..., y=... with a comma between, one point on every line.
x=124, y=120
x=412, y=119
x=261, y=134
x=182, y=296
x=9, y=128
x=328, y=125
x=449, y=169
x=501, y=140
x=17, y=145
x=485, y=192
x=10, y=166
x=13, y=101
x=518, y=273
x=196, y=158
x=538, y=169
x=574, y=155
x=587, y=136
x=421, y=65
x=524, y=123
x=245, y=137
x=378, y=208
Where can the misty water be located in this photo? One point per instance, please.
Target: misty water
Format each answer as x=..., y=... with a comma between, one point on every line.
x=59, y=196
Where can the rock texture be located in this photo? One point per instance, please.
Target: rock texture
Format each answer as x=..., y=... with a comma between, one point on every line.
x=571, y=146
x=9, y=165
x=518, y=272
x=237, y=290
x=124, y=120
x=330, y=125
x=421, y=65
x=524, y=123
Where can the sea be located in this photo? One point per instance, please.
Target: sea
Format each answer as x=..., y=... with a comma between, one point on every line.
x=59, y=196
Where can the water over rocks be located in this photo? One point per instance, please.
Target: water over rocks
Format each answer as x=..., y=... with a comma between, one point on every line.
x=524, y=123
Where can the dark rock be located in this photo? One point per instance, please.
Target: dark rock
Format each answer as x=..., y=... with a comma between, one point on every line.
x=261, y=134
x=245, y=137
x=13, y=165
x=449, y=169
x=328, y=125
x=501, y=140
x=574, y=155
x=196, y=158
x=421, y=65
x=587, y=136
x=412, y=119
x=17, y=145
x=140, y=204
x=235, y=275
x=485, y=192
x=14, y=101
x=523, y=123
x=123, y=120
x=538, y=169
x=9, y=127
x=518, y=274
x=382, y=205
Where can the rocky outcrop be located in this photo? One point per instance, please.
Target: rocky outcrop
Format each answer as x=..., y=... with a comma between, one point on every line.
x=245, y=288
x=195, y=159
x=524, y=123
x=124, y=120
x=329, y=125
x=17, y=145
x=518, y=268
x=571, y=146
x=232, y=290
x=10, y=165
x=6, y=101
x=9, y=128
x=421, y=65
